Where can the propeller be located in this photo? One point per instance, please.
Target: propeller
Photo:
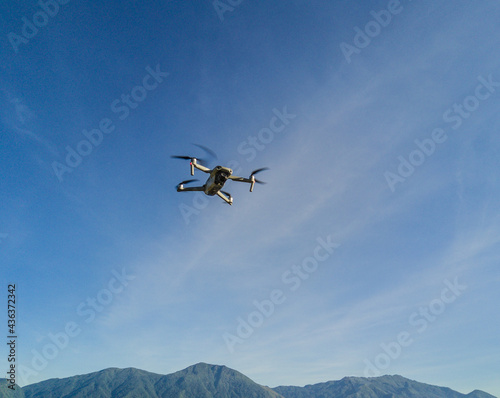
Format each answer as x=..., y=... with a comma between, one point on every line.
x=182, y=157
x=258, y=171
x=191, y=163
x=207, y=150
x=184, y=182
x=202, y=161
x=254, y=180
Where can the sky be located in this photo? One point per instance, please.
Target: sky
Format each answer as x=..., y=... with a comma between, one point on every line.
x=372, y=249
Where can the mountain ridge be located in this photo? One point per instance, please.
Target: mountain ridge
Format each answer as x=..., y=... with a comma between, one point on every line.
x=387, y=386
x=204, y=380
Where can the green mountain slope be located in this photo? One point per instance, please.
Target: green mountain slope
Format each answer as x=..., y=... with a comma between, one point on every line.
x=200, y=381
x=7, y=392
x=107, y=383
x=207, y=381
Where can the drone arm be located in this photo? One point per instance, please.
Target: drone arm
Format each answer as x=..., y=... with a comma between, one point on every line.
x=250, y=180
x=194, y=165
x=240, y=179
x=181, y=188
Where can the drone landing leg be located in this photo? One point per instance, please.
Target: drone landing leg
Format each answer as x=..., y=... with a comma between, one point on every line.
x=229, y=200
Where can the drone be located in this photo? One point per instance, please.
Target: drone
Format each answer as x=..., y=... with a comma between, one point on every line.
x=217, y=178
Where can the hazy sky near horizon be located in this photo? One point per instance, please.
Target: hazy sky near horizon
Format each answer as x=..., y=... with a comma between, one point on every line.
x=372, y=249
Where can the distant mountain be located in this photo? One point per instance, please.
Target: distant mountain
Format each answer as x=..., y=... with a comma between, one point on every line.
x=212, y=381
x=6, y=392
x=207, y=381
x=111, y=382
x=374, y=387
x=197, y=381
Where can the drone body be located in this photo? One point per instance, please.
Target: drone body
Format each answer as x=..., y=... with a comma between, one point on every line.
x=216, y=180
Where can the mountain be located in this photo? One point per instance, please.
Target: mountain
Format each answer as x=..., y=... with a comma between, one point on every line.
x=207, y=381
x=8, y=393
x=212, y=381
x=111, y=382
x=200, y=381
x=374, y=387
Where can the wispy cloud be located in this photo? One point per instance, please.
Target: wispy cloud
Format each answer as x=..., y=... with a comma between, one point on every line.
x=21, y=119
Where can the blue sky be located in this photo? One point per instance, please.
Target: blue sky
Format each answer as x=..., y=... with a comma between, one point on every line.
x=114, y=268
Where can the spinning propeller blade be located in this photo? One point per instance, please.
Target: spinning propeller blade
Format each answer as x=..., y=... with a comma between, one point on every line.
x=202, y=161
x=184, y=182
x=207, y=150
x=181, y=157
x=258, y=171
